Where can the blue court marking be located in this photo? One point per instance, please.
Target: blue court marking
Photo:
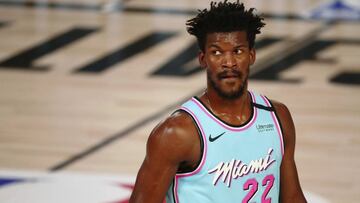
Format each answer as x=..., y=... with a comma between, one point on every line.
x=336, y=10
x=7, y=181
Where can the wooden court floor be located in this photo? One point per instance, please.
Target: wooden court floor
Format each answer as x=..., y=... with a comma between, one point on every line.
x=82, y=84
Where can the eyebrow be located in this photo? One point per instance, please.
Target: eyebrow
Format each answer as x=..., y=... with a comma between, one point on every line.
x=218, y=47
x=214, y=45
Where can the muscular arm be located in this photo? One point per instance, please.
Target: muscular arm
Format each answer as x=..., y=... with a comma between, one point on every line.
x=290, y=190
x=172, y=143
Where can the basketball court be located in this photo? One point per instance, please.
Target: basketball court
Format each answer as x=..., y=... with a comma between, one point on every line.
x=83, y=83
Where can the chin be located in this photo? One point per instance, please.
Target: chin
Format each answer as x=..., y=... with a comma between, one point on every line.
x=228, y=90
x=232, y=94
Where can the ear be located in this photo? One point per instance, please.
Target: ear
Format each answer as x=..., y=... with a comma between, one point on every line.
x=201, y=58
x=252, y=56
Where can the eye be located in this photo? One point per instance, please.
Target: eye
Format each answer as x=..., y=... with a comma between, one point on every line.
x=216, y=52
x=238, y=51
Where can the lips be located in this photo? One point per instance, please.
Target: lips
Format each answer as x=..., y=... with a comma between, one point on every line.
x=230, y=76
x=227, y=75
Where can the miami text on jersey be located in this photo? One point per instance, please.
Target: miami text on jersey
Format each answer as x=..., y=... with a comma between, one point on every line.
x=237, y=168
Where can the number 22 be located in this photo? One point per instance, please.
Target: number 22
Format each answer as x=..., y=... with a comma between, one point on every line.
x=253, y=185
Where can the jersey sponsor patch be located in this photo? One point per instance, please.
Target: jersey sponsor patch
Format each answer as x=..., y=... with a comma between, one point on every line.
x=265, y=127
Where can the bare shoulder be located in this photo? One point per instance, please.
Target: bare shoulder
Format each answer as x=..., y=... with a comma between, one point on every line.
x=281, y=109
x=175, y=137
x=179, y=126
x=283, y=113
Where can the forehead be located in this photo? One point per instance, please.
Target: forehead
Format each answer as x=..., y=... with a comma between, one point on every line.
x=233, y=38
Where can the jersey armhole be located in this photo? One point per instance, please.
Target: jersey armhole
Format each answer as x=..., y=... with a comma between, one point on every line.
x=277, y=122
x=200, y=134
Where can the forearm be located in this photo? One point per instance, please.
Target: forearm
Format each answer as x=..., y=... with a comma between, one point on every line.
x=148, y=189
x=296, y=198
x=147, y=194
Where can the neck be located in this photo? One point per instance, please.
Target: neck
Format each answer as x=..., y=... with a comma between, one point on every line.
x=235, y=111
x=230, y=106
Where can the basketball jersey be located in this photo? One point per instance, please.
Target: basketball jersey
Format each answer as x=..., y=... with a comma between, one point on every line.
x=238, y=163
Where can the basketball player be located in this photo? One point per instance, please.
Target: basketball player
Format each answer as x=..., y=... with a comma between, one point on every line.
x=228, y=144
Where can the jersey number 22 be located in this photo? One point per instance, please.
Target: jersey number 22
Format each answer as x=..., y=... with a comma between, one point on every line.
x=252, y=185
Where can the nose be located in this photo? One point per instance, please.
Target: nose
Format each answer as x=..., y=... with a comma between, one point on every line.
x=228, y=61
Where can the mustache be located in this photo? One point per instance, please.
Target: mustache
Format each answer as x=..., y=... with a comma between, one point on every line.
x=227, y=73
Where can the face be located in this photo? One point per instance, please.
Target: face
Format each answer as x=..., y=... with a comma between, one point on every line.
x=227, y=58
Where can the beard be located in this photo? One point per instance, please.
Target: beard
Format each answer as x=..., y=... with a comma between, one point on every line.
x=234, y=94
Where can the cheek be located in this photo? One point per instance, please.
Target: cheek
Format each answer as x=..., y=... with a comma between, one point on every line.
x=244, y=62
x=211, y=72
x=213, y=61
x=213, y=64
x=243, y=59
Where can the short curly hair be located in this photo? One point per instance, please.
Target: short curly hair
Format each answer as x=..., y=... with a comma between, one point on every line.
x=225, y=17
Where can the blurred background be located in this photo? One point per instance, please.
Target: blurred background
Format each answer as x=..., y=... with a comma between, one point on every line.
x=84, y=82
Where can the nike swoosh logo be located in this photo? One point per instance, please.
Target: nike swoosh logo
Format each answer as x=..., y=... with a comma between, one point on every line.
x=212, y=139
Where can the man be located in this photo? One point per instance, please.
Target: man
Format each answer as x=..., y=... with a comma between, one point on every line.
x=228, y=144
